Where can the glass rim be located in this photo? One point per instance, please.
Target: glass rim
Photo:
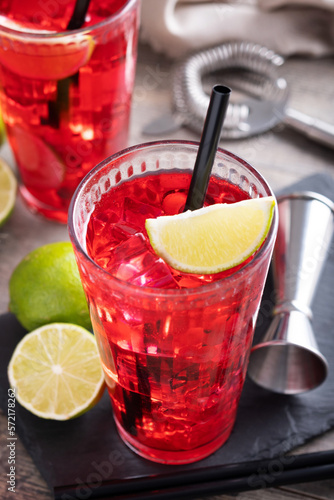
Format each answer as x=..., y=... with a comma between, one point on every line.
x=45, y=36
x=204, y=289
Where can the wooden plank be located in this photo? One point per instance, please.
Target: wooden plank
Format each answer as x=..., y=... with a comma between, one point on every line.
x=271, y=494
x=321, y=490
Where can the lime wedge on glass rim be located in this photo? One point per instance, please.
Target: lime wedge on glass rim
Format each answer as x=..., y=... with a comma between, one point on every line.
x=55, y=371
x=41, y=54
x=8, y=189
x=214, y=238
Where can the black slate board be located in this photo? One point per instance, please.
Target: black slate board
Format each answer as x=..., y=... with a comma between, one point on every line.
x=85, y=458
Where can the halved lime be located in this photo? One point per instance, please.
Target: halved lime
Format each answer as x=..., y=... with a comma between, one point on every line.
x=8, y=188
x=214, y=238
x=55, y=371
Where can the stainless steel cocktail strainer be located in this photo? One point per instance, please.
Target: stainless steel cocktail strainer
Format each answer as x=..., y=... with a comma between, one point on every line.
x=261, y=94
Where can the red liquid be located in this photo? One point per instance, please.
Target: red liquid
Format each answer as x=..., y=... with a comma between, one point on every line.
x=55, y=15
x=117, y=227
x=174, y=375
x=66, y=106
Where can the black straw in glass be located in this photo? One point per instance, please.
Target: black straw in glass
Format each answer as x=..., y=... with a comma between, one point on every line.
x=208, y=146
x=79, y=14
x=62, y=100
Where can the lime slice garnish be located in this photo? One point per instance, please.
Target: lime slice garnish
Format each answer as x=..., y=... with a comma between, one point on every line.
x=45, y=59
x=8, y=188
x=214, y=238
x=55, y=371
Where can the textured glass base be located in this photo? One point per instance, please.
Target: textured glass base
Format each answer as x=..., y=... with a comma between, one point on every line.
x=172, y=457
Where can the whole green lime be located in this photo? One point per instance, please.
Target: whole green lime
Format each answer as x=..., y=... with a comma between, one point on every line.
x=45, y=288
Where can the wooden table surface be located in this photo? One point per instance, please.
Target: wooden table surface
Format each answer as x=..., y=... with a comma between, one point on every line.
x=283, y=156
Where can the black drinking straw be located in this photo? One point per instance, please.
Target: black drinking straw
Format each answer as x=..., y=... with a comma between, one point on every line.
x=63, y=86
x=208, y=146
x=79, y=14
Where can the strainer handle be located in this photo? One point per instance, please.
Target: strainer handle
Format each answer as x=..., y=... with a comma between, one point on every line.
x=313, y=128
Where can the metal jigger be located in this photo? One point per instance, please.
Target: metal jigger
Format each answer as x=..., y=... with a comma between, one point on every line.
x=287, y=360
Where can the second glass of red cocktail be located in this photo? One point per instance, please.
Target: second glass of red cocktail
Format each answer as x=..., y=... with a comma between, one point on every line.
x=174, y=346
x=65, y=94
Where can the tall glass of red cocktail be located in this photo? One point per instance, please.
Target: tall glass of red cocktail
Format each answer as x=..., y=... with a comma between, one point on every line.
x=174, y=346
x=65, y=95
